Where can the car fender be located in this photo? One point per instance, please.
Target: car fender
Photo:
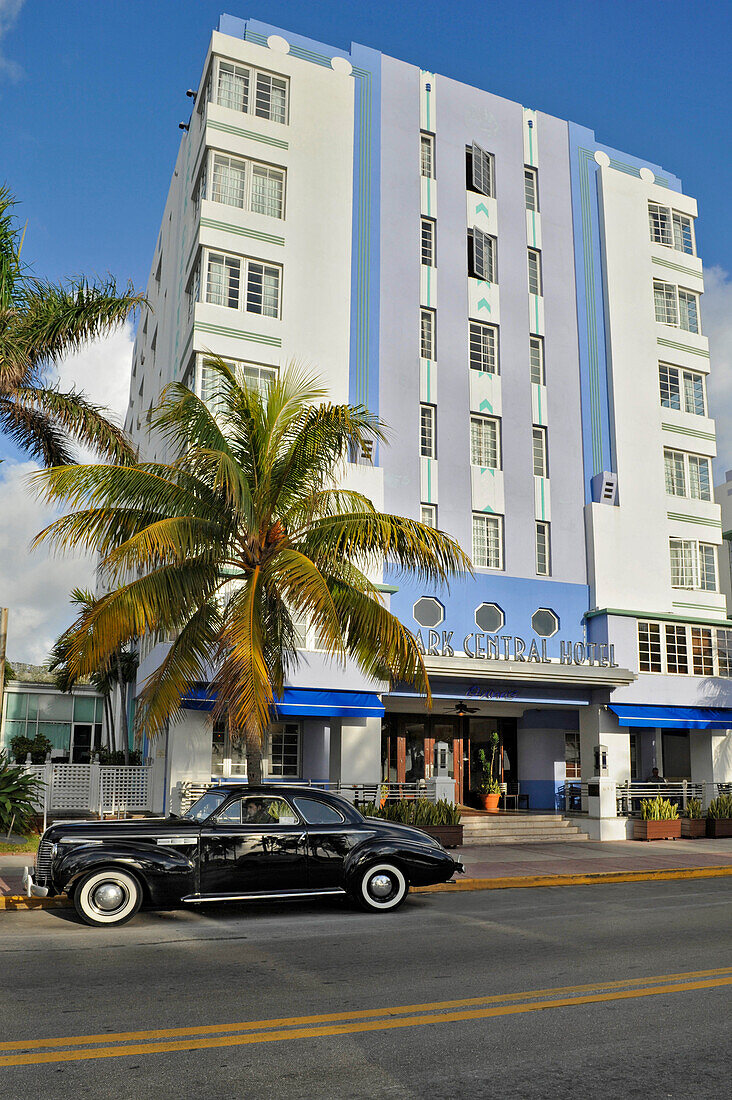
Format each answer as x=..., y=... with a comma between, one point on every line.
x=416, y=860
x=165, y=874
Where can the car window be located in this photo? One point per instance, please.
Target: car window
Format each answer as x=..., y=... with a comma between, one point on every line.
x=317, y=813
x=205, y=805
x=258, y=810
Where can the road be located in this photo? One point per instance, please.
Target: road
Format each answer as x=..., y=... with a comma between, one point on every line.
x=457, y=995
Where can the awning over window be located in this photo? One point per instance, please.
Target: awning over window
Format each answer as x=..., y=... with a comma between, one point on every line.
x=680, y=718
x=301, y=702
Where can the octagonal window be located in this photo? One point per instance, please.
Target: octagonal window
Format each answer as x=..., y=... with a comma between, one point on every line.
x=489, y=617
x=545, y=622
x=428, y=611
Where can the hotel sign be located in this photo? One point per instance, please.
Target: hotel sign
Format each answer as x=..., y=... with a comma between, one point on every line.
x=504, y=647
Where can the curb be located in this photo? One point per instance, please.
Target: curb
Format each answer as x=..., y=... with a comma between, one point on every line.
x=17, y=903
x=594, y=879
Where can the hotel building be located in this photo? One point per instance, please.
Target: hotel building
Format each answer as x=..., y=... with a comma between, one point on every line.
x=521, y=305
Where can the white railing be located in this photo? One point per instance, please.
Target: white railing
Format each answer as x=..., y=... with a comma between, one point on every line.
x=572, y=797
x=92, y=788
x=187, y=792
x=629, y=794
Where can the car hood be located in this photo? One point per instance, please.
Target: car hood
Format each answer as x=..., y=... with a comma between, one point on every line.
x=153, y=827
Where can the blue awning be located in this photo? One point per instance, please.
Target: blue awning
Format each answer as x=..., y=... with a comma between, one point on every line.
x=680, y=718
x=301, y=702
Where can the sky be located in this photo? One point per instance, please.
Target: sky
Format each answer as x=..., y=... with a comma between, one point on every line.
x=91, y=94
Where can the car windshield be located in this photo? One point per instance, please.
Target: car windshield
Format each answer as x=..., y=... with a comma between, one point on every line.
x=205, y=806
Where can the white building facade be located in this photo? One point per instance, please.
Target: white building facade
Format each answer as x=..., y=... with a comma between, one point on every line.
x=521, y=306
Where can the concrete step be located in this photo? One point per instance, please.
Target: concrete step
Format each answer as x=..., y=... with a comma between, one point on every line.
x=515, y=829
x=517, y=826
x=541, y=838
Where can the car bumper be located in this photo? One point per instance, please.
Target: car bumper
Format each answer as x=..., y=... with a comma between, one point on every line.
x=32, y=889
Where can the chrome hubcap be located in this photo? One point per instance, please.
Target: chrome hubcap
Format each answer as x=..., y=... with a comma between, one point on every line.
x=381, y=886
x=108, y=896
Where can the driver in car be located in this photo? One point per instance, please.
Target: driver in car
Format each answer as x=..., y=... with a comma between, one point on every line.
x=255, y=813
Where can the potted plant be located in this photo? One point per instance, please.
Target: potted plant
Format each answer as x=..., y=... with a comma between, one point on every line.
x=659, y=820
x=489, y=789
x=693, y=824
x=719, y=816
x=440, y=820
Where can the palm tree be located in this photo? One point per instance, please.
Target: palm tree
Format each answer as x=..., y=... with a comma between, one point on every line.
x=40, y=323
x=241, y=536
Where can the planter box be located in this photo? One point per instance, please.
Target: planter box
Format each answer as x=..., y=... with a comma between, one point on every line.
x=719, y=826
x=449, y=836
x=693, y=827
x=656, y=830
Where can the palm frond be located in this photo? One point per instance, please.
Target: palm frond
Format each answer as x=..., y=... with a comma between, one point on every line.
x=34, y=432
x=78, y=417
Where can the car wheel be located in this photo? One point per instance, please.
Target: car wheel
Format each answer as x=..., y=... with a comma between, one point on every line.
x=382, y=888
x=107, y=897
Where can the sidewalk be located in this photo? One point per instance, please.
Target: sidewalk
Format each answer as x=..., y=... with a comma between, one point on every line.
x=531, y=864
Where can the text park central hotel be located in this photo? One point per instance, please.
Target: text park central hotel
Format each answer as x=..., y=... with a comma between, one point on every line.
x=520, y=305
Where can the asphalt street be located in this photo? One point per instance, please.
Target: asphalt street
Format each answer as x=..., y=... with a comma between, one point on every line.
x=601, y=991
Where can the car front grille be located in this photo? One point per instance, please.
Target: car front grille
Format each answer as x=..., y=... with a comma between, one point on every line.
x=44, y=860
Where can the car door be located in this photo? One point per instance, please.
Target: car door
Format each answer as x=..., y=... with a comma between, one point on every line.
x=256, y=844
x=330, y=839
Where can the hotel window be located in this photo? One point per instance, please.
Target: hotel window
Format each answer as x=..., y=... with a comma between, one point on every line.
x=481, y=255
x=254, y=375
x=543, y=559
x=682, y=389
x=687, y=475
x=483, y=348
x=194, y=288
x=225, y=276
x=649, y=647
x=701, y=651
x=427, y=431
x=427, y=155
x=484, y=443
x=724, y=652
x=480, y=170
x=284, y=742
x=675, y=306
x=428, y=515
x=572, y=768
x=531, y=188
x=671, y=228
x=487, y=541
x=234, y=85
x=534, y=271
x=693, y=564
x=246, y=185
x=676, y=656
x=427, y=334
x=536, y=360
x=539, y=451
x=428, y=242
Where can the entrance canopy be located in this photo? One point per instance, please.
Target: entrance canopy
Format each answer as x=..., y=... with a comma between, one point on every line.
x=301, y=702
x=681, y=718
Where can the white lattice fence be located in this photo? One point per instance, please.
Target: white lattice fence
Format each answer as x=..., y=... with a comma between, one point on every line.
x=125, y=789
x=74, y=787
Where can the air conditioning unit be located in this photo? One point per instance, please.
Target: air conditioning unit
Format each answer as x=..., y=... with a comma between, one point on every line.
x=605, y=488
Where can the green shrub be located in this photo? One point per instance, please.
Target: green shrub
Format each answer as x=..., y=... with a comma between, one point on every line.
x=38, y=747
x=693, y=808
x=658, y=809
x=720, y=808
x=417, y=812
x=117, y=757
x=18, y=792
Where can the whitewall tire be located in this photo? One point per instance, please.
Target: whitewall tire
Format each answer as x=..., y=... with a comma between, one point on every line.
x=107, y=897
x=382, y=888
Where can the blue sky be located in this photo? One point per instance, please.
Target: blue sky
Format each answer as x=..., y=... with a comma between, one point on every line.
x=91, y=95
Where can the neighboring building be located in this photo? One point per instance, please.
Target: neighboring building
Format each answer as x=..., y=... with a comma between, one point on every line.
x=520, y=304
x=73, y=722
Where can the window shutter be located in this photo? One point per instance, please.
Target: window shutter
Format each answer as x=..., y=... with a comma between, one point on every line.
x=481, y=170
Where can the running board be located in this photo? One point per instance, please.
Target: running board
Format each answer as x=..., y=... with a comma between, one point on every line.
x=281, y=895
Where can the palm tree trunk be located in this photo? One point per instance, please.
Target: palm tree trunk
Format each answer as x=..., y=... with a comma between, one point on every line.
x=124, y=725
x=109, y=712
x=253, y=741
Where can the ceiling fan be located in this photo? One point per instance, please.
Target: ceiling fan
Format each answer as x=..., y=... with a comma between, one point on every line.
x=461, y=709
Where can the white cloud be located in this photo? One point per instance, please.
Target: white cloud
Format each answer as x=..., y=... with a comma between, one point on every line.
x=9, y=12
x=717, y=324
x=33, y=585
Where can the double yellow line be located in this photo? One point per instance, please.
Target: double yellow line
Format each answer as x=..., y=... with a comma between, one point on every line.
x=75, y=1048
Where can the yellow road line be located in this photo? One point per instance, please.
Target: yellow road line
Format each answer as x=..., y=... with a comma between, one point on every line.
x=591, y=879
x=393, y=1010
x=384, y=1024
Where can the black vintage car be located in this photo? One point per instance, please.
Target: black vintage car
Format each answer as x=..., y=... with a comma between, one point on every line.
x=237, y=843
